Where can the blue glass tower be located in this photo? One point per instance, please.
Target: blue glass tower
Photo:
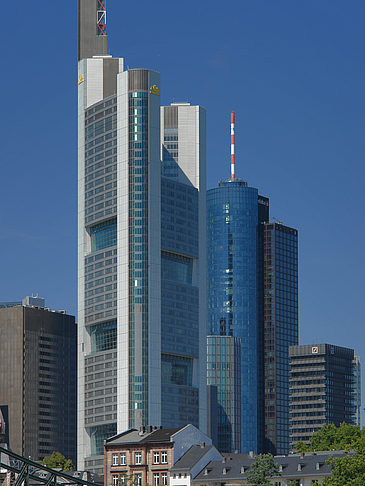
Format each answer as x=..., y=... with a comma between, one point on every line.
x=235, y=283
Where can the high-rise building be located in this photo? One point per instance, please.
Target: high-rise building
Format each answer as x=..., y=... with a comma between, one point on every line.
x=183, y=264
x=141, y=341
x=321, y=389
x=38, y=379
x=224, y=373
x=280, y=329
x=357, y=389
x=235, y=212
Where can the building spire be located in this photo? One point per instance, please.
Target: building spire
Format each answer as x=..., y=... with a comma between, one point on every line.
x=232, y=145
x=92, y=38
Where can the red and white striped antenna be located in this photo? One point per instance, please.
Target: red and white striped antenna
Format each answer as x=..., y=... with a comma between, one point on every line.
x=232, y=145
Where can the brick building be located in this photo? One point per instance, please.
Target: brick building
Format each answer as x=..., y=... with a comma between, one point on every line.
x=148, y=454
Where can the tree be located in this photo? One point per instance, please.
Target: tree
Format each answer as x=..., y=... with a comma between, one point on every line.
x=348, y=470
x=58, y=460
x=262, y=470
x=329, y=437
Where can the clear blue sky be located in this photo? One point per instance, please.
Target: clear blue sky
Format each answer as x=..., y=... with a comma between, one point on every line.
x=293, y=71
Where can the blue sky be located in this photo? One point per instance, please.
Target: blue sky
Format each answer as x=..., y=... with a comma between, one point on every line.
x=293, y=71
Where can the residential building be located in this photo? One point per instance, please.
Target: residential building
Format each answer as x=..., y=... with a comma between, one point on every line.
x=148, y=454
x=235, y=269
x=142, y=356
x=280, y=329
x=224, y=372
x=321, y=389
x=38, y=380
x=300, y=469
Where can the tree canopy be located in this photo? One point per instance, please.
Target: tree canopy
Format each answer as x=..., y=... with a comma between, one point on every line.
x=348, y=470
x=58, y=460
x=329, y=437
x=262, y=470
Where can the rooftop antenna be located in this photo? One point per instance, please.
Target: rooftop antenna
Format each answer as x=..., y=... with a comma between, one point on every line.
x=232, y=145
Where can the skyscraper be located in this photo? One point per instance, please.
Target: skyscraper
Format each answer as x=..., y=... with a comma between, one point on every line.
x=321, y=389
x=141, y=352
x=38, y=378
x=235, y=212
x=280, y=329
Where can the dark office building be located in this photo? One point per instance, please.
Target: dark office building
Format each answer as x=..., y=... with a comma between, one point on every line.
x=38, y=380
x=321, y=389
x=280, y=329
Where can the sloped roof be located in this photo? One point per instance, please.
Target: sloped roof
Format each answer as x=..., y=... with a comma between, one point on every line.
x=134, y=436
x=311, y=464
x=190, y=458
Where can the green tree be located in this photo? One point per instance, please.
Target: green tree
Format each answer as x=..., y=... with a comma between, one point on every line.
x=348, y=470
x=58, y=460
x=329, y=437
x=262, y=470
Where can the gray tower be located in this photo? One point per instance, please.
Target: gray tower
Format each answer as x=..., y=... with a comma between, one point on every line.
x=129, y=368
x=92, y=38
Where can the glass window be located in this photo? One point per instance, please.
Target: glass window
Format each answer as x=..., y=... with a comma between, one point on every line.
x=156, y=457
x=164, y=478
x=164, y=458
x=122, y=458
x=138, y=458
x=138, y=479
x=103, y=336
x=115, y=480
x=156, y=479
x=103, y=235
x=115, y=459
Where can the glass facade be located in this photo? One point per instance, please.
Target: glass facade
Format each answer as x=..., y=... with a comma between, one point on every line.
x=280, y=329
x=103, y=336
x=180, y=296
x=233, y=287
x=138, y=257
x=103, y=235
x=224, y=372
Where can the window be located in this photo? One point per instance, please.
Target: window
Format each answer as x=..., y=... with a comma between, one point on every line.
x=164, y=478
x=156, y=479
x=122, y=458
x=115, y=459
x=156, y=457
x=138, y=458
x=163, y=457
x=138, y=479
x=115, y=480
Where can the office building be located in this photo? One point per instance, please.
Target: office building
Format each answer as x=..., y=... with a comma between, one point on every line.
x=235, y=268
x=141, y=342
x=357, y=389
x=224, y=372
x=235, y=281
x=280, y=329
x=38, y=380
x=321, y=389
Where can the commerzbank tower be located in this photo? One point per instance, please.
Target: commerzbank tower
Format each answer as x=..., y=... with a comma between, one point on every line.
x=141, y=249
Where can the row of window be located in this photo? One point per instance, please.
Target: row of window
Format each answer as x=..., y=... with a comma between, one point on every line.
x=158, y=478
x=119, y=459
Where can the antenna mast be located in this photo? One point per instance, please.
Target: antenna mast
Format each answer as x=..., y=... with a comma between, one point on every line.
x=232, y=145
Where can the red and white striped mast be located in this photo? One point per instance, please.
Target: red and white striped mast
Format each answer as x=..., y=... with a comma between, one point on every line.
x=232, y=145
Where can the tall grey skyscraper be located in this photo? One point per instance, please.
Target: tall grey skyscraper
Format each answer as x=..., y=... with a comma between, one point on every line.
x=141, y=348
